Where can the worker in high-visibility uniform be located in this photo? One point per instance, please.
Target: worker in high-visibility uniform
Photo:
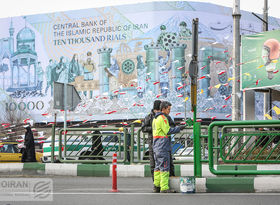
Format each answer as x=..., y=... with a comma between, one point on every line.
x=162, y=147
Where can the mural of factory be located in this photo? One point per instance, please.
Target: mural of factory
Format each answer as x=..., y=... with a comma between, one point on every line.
x=160, y=67
x=140, y=70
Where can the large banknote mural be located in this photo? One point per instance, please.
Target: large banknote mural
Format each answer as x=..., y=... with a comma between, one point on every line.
x=120, y=59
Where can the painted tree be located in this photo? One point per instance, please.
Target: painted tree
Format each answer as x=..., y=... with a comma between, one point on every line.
x=4, y=67
x=11, y=114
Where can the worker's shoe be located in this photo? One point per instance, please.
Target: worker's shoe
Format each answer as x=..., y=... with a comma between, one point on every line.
x=156, y=189
x=168, y=191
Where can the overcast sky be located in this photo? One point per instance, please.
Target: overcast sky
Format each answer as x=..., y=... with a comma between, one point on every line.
x=27, y=7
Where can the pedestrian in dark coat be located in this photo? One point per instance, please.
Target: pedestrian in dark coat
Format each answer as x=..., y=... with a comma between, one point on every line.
x=147, y=128
x=96, y=147
x=172, y=169
x=29, y=146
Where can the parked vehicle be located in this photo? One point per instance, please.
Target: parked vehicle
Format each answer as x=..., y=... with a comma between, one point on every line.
x=10, y=152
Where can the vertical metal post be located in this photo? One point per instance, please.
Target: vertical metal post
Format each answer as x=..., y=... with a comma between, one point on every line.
x=236, y=60
x=266, y=96
x=215, y=135
x=52, y=143
x=132, y=144
x=65, y=107
x=55, y=115
x=265, y=16
x=193, y=72
x=65, y=112
x=139, y=146
x=185, y=102
x=193, y=68
x=124, y=144
x=197, y=150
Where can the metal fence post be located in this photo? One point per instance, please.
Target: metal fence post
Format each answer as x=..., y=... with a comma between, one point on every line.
x=125, y=145
x=215, y=135
x=52, y=143
x=132, y=144
x=197, y=150
x=138, y=146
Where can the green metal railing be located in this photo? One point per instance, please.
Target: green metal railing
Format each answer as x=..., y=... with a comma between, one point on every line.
x=76, y=145
x=182, y=146
x=229, y=142
x=244, y=142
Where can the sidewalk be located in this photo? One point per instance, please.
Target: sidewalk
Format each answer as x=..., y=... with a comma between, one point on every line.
x=208, y=183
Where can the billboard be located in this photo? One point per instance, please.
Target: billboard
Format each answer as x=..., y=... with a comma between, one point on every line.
x=260, y=55
x=120, y=59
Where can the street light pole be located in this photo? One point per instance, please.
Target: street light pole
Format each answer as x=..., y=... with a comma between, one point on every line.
x=193, y=72
x=236, y=60
x=265, y=16
x=266, y=96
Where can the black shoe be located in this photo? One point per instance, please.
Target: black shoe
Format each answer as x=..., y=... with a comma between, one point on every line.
x=156, y=189
x=168, y=191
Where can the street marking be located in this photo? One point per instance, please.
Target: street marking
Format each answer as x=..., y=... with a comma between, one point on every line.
x=107, y=189
x=174, y=194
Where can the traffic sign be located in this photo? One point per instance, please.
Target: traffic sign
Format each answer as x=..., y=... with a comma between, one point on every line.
x=73, y=97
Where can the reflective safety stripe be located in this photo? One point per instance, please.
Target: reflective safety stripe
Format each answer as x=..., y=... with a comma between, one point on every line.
x=160, y=137
x=164, y=119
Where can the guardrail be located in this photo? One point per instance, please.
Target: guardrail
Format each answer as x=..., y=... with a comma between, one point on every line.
x=92, y=145
x=182, y=146
x=244, y=142
x=76, y=145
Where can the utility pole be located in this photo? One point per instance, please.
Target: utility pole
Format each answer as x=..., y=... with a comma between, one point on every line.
x=266, y=95
x=265, y=16
x=236, y=60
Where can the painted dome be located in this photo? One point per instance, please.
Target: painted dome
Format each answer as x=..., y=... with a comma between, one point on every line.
x=26, y=34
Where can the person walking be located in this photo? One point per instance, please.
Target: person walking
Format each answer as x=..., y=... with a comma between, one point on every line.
x=162, y=147
x=29, y=144
x=96, y=144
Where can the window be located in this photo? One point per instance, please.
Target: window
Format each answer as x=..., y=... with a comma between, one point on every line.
x=8, y=148
x=110, y=138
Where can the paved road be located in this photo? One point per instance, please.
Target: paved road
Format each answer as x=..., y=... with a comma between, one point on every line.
x=136, y=191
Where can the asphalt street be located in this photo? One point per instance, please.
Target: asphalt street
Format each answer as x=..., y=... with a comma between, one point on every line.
x=136, y=191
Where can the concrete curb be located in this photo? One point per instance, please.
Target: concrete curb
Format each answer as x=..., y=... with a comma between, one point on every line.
x=232, y=184
x=209, y=182
x=102, y=170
